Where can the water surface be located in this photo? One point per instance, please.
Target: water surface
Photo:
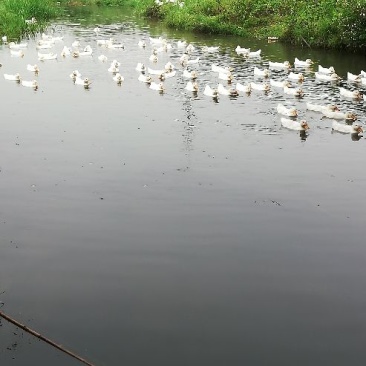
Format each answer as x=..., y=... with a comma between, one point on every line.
x=140, y=228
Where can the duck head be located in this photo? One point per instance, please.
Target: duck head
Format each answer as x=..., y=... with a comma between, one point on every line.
x=304, y=125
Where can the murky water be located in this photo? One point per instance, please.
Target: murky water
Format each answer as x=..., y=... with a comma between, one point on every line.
x=139, y=228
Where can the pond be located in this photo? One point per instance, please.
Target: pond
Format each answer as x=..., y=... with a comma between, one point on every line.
x=140, y=227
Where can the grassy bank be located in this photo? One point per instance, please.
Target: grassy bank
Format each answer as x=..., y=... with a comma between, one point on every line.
x=320, y=23
x=324, y=23
x=14, y=13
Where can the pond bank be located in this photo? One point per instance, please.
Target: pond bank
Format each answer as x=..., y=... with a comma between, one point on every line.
x=327, y=24
x=25, y=16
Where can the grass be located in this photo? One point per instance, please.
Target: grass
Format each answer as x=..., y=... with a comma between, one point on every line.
x=321, y=23
x=13, y=16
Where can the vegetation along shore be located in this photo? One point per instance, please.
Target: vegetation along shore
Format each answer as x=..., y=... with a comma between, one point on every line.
x=317, y=23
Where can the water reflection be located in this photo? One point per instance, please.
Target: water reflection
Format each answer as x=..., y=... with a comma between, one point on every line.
x=178, y=258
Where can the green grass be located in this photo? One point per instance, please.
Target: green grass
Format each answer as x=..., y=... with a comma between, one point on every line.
x=321, y=23
x=14, y=13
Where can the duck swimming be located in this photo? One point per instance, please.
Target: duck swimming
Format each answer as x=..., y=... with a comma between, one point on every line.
x=307, y=63
x=230, y=92
x=261, y=87
x=210, y=92
x=30, y=84
x=33, y=68
x=298, y=77
x=321, y=108
x=348, y=116
x=190, y=74
x=296, y=92
x=145, y=78
x=279, y=65
x=84, y=82
x=118, y=78
x=326, y=70
x=294, y=125
x=340, y=127
x=157, y=86
x=192, y=86
x=261, y=73
x=327, y=77
x=290, y=112
x=355, y=94
x=15, y=77
x=243, y=88
x=47, y=56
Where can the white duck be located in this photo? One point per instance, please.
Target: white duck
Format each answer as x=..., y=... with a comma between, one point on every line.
x=348, y=116
x=169, y=67
x=145, y=78
x=113, y=68
x=30, y=84
x=158, y=40
x=243, y=88
x=102, y=58
x=296, y=92
x=241, y=50
x=190, y=74
x=104, y=42
x=289, y=112
x=261, y=87
x=193, y=61
x=279, y=65
x=192, y=86
x=157, y=86
x=140, y=67
x=154, y=71
x=118, y=78
x=88, y=51
x=17, y=46
x=33, y=68
x=47, y=56
x=295, y=125
x=84, y=82
x=16, y=53
x=169, y=74
x=153, y=58
x=353, y=77
x=12, y=77
x=279, y=84
x=299, y=63
x=219, y=69
x=340, y=127
x=263, y=73
x=326, y=70
x=66, y=51
x=296, y=76
x=321, y=108
x=254, y=53
x=326, y=77
x=355, y=94
x=75, y=74
x=45, y=45
x=190, y=48
x=210, y=92
x=141, y=43
x=230, y=92
x=210, y=49
x=226, y=76
x=181, y=44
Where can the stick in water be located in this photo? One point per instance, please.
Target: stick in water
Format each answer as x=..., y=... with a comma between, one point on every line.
x=28, y=330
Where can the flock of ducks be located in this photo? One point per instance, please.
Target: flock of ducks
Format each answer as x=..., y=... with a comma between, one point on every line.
x=290, y=84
